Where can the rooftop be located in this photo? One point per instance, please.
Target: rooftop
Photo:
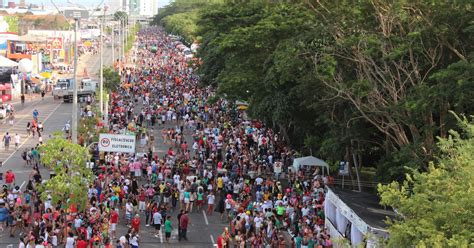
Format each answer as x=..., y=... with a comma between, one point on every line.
x=366, y=206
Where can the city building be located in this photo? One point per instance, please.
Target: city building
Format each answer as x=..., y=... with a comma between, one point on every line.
x=11, y=5
x=148, y=7
x=145, y=8
x=126, y=6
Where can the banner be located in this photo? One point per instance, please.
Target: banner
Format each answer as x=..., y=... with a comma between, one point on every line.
x=55, y=43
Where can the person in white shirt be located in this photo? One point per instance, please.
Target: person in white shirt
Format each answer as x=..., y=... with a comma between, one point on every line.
x=258, y=223
x=176, y=178
x=305, y=211
x=123, y=241
x=17, y=140
x=210, y=202
x=157, y=219
x=128, y=212
x=70, y=241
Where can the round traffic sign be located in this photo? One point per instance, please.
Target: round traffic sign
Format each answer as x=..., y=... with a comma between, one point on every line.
x=105, y=142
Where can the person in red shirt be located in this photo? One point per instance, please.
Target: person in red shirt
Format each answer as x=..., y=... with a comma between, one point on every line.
x=114, y=218
x=183, y=225
x=136, y=223
x=142, y=200
x=81, y=243
x=10, y=178
x=220, y=242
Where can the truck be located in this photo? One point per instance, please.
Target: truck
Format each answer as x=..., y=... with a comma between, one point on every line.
x=65, y=89
x=61, y=87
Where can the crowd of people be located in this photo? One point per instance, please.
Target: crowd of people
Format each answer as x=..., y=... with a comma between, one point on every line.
x=216, y=161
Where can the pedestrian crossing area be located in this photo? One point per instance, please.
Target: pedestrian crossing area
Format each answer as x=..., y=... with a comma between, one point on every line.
x=45, y=109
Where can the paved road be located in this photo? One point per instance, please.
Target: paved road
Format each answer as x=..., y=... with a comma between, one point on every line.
x=53, y=114
x=203, y=230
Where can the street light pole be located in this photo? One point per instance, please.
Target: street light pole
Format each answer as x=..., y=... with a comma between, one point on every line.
x=126, y=35
x=101, y=45
x=113, y=45
x=74, y=96
x=123, y=42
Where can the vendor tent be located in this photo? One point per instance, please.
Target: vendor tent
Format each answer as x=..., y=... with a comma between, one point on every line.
x=310, y=161
x=4, y=62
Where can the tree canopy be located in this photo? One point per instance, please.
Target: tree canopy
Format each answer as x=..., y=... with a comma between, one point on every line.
x=369, y=82
x=437, y=205
x=180, y=17
x=121, y=16
x=72, y=178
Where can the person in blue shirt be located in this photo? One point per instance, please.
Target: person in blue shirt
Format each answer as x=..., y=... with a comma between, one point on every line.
x=3, y=215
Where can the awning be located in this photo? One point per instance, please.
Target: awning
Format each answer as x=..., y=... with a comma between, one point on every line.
x=5, y=62
x=309, y=161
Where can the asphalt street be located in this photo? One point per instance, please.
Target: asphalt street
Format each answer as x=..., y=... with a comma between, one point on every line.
x=203, y=230
x=53, y=114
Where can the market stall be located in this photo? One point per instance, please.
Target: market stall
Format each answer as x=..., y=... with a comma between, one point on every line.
x=7, y=67
x=5, y=92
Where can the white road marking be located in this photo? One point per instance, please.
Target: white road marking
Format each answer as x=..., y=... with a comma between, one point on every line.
x=161, y=237
x=205, y=217
x=212, y=239
x=44, y=121
x=23, y=183
x=17, y=120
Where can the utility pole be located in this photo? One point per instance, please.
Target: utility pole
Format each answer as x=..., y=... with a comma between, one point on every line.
x=113, y=45
x=101, y=46
x=74, y=96
x=126, y=34
x=123, y=42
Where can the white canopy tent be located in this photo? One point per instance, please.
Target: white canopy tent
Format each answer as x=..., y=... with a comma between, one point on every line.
x=310, y=161
x=5, y=62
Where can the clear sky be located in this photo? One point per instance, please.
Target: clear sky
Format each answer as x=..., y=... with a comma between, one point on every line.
x=86, y=3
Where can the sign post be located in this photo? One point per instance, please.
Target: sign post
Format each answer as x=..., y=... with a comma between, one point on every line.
x=343, y=170
x=117, y=143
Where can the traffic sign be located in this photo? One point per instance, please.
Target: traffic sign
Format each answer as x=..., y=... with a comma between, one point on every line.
x=116, y=143
x=76, y=14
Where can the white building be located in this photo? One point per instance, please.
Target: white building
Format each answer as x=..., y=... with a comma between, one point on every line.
x=148, y=8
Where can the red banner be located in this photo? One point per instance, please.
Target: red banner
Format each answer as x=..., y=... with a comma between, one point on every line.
x=55, y=43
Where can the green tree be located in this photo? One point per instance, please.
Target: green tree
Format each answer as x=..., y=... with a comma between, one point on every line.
x=12, y=23
x=72, y=179
x=111, y=78
x=370, y=82
x=180, y=17
x=121, y=16
x=436, y=207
